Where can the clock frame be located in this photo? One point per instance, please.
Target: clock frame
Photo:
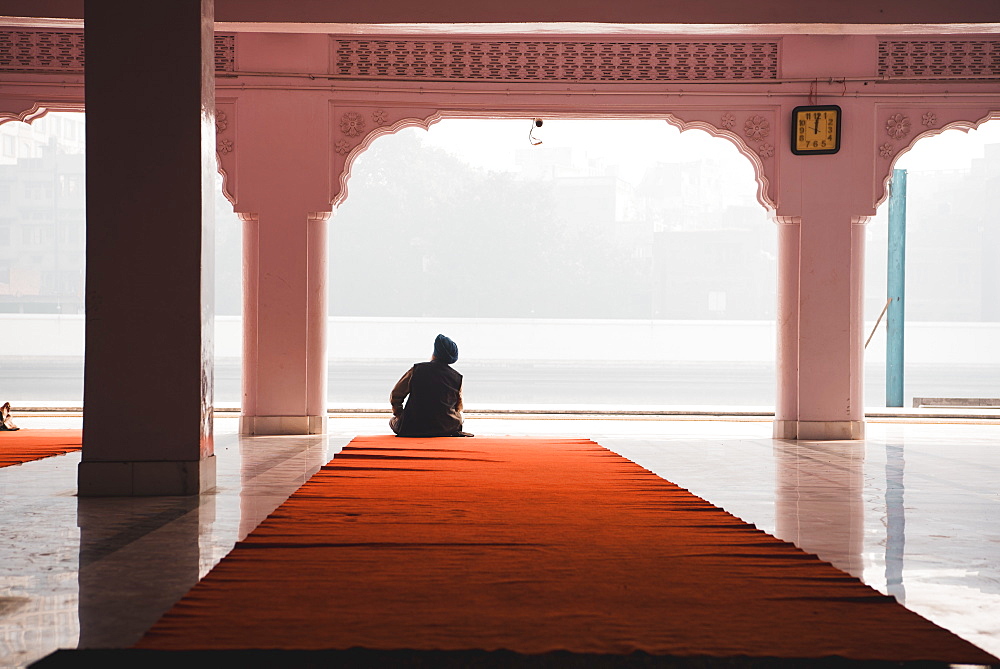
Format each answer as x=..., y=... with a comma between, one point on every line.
x=816, y=130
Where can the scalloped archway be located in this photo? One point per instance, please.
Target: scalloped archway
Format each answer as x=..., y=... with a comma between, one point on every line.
x=933, y=127
x=753, y=145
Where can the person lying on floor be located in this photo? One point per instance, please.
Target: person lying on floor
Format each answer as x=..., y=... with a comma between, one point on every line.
x=434, y=407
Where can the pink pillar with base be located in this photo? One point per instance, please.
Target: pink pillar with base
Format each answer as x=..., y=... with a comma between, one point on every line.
x=283, y=196
x=829, y=367
x=786, y=409
x=820, y=300
x=284, y=315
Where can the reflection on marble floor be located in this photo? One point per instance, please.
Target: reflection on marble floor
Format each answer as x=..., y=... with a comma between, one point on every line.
x=98, y=572
x=914, y=511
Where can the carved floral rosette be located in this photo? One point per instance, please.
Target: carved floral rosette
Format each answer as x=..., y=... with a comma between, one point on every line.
x=754, y=132
x=354, y=127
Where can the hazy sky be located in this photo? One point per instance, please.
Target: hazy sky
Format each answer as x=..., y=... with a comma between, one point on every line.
x=952, y=149
x=635, y=144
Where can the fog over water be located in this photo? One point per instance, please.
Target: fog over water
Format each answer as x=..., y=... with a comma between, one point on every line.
x=481, y=224
x=621, y=254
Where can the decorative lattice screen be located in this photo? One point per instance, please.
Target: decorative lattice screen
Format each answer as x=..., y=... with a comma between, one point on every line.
x=939, y=58
x=553, y=61
x=62, y=51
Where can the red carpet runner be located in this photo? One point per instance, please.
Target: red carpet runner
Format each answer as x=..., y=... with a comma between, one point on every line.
x=21, y=446
x=530, y=545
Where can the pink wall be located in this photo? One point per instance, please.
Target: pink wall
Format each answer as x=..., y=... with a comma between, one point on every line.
x=295, y=110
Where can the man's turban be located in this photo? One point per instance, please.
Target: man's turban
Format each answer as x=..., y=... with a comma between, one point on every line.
x=445, y=349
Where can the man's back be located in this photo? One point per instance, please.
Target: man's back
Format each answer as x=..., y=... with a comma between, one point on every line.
x=434, y=405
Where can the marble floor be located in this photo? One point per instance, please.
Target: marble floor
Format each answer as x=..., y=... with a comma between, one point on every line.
x=914, y=510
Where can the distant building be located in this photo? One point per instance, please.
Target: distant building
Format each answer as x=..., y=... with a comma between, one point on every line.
x=19, y=141
x=42, y=225
x=713, y=253
x=43, y=221
x=952, y=242
x=953, y=238
x=702, y=250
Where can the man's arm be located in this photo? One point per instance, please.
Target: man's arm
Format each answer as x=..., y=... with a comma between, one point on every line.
x=399, y=392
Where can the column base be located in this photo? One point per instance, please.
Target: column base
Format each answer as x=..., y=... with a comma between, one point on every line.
x=785, y=429
x=817, y=430
x=145, y=478
x=282, y=424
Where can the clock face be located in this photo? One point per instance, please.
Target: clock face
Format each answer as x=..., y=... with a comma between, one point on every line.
x=815, y=130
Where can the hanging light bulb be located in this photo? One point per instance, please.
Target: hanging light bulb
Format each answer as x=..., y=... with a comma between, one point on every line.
x=535, y=123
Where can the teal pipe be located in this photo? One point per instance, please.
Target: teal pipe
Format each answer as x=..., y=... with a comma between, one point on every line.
x=896, y=288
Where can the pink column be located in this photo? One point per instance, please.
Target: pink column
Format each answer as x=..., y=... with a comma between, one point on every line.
x=820, y=324
x=786, y=409
x=858, y=226
x=316, y=319
x=822, y=203
x=283, y=153
x=147, y=426
x=830, y=402
x=284, y=313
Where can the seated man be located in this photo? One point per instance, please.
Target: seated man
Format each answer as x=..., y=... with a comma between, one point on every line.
x=435, y=389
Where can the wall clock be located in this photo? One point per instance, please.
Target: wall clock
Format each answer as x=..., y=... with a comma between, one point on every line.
x=815, y=130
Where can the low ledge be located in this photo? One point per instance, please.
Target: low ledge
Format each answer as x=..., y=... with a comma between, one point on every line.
x=956, y=402
x=145, y=478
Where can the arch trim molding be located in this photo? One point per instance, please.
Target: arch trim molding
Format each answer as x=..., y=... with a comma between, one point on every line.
x=898, y=123
x=352, y=134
